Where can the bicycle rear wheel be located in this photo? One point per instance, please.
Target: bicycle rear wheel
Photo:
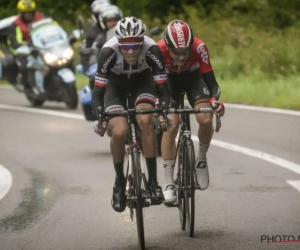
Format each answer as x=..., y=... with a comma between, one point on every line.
x=189, y=192
x=139, y=199
x=180, y=185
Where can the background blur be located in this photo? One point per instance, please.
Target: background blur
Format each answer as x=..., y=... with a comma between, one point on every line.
x=254, y=45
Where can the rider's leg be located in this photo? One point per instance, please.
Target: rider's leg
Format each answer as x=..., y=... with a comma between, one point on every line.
x=168, y=152
x=119, y=128
x=198, y=96
x=145, y=98
x=21, y=83
x=168, y=145
x=205, y=130
x=149, y=142
x=114, y=101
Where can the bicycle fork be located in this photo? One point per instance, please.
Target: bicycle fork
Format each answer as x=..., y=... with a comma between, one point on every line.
x=130, y=192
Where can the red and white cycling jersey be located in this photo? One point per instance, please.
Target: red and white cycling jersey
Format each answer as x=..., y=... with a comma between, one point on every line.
x=199, y=58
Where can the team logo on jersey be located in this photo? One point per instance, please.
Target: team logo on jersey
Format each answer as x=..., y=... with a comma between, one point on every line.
x=104, y=67
x=205, y=91
x=201, y=49
x=155, y=59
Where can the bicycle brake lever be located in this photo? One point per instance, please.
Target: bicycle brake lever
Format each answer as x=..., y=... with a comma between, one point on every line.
x=218, y=122
x=164, y=113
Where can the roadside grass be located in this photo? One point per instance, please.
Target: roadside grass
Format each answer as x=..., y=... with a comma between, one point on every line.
x=279, y=93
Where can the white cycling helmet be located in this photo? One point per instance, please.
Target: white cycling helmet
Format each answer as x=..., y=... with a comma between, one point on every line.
x=130, y=28
x=111, y=11
x=98, y=5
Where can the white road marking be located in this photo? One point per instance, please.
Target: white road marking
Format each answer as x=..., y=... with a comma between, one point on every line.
x=5, y=181
x=260, y=155
x=295, y=184
x=263, y=109
x=42, y=111
x=228, y=105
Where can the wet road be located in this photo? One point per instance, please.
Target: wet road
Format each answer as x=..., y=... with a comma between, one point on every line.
x=62, y=184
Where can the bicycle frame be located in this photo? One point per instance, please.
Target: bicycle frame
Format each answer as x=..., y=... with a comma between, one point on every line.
x=134, y=147
x=187, y=181
x=137, y=191
x=184, y=138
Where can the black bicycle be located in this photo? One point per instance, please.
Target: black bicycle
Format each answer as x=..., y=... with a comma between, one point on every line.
x=137, y=193
x=186, y=180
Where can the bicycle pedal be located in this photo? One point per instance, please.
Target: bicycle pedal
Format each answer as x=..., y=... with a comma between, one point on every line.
x=156, y=202
x=147, y=203
x=171, y=204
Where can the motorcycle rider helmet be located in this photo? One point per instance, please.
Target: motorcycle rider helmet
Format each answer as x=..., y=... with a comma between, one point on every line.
x=110, y=12
x=98, y=5
x=178, y=36
x=130, y=29
x=26, y=6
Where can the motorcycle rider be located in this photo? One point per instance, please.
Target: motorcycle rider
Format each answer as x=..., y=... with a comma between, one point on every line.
x=92, y=33
x=19, y=35
x=108, y=19
x=96, y=7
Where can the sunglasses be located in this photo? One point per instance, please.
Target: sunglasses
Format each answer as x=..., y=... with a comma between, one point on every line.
x=181, y=52
x=133, y=46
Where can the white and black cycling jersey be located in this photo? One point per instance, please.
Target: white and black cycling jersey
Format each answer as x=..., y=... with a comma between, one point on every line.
x=110, y=60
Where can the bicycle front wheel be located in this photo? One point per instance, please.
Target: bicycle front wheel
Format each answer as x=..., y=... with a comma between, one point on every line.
x=180, y=191
x=189, y=192
x=139, y=199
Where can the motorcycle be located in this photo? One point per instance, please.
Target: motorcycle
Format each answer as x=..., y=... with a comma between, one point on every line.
x=8, y=67
x=50, y=70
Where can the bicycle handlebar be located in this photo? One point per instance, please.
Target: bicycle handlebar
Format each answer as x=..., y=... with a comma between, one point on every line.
x=103, y=115
x=164, y=111
x=196, y=111
x=190, y=110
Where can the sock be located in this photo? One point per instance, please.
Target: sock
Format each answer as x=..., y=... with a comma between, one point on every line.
x=169, y=170
x=203, y=148
x=119, y=168
x=152, y=169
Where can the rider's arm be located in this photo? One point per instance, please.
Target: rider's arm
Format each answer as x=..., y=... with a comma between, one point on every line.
x=212, y=84
x=91, y=35
x=96, y=47
x=207, y=71
x=154, y=59
x=106, y=60
x=15, y=37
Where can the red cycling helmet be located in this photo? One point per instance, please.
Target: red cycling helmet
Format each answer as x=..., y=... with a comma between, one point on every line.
x=178, y=35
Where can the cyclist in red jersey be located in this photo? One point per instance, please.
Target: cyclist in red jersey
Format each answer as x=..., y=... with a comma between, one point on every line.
x=188, y=69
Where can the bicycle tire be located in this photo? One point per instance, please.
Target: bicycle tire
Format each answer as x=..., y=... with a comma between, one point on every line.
x=129, y=192
x=189, y=193
x=180, y=193
x=139, y=199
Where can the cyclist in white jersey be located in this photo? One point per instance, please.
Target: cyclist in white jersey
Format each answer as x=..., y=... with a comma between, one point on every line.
x=130, y=62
